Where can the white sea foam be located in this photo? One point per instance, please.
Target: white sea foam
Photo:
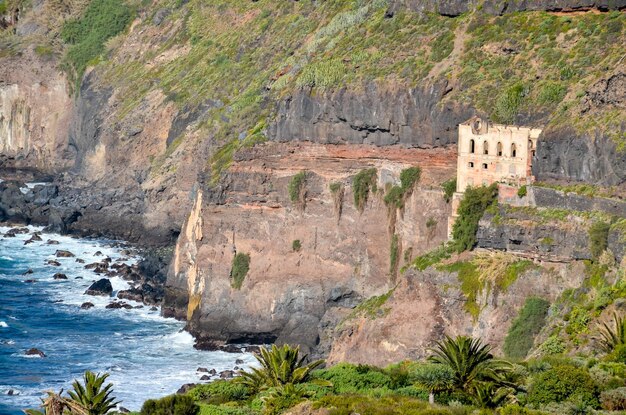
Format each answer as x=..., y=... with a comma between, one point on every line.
x=3, y=324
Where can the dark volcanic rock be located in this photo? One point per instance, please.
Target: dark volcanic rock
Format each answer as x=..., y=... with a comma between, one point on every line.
x=59, y=276
x=186, y=388
x=366, y=117
x=202, y=369
x=119, y=304
x=86, y=306
x=205, y=377
x=30, y=281
x=34, y=352
x=227, y=374
x=64, y=254
x=28, y=271
x=34, y=238
x=101, y=287
x=53, y=262
x=133, y=294
x=52, y=242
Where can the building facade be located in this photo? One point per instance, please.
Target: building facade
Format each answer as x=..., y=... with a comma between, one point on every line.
x=489, y=153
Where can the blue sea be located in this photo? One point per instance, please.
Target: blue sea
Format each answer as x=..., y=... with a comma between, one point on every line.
x=146, y=355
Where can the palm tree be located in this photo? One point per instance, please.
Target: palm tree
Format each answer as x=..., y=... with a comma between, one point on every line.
x=55, y=404
x=91, y=396
x=434, y=377
x=613, y=336
x=279, y=366
x=490, y=395
x=470, y=361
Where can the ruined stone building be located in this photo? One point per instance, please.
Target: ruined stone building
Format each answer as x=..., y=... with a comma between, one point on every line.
x=490, y=153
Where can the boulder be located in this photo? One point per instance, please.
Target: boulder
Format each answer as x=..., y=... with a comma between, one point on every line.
x=186, y=388
x=30, y=281
x=205, y=377
x=227, y=374
x=101, y=287
x=34, y=238
x=28, y=271
x=119, y=304
x=34, y=352
x=86, y=306
x=239, y=362
x=202, y=369
x=63, y=254
x=59, y=276
x=52, y=242
x=53, y=262
x=80, y=261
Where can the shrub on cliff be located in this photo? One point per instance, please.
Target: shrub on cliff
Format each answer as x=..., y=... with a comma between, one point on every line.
x=347, y=378
x=449, y=187
x=612, y=336
x=362, y=184
x=297, y=189
x=598, y=238
x=239, y=270
x=220, y=391
x=614, y=400
x=561, y=383
x=170, y=405
x=526, y=326
x=472, y=207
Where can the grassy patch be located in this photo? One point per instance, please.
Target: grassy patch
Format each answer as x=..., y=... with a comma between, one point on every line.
x=239, y=270
x=433, y=257
x=394, y=256
x=525, y=327
x=472, y=207
x=396, y=195
x=297, y=189
x=449, y=187
x=372, y=307
x=87, y=35
x=296, y=245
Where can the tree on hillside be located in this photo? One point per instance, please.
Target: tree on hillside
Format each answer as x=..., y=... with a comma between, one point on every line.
x=92, y=396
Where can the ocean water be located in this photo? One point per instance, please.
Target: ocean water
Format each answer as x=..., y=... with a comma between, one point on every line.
x=146, y=355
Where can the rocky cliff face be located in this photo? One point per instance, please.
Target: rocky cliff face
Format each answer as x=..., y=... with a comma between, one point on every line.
x=342, y=255
x=34, y=114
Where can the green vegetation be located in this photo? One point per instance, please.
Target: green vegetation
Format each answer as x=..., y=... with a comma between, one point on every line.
x=434, y=377
x=449, y=187
x=87, y=35
x=472, y=207
x=522, y=191
x=508, y=103
x=561, y=383
x=612, y=337
x=433, y=257
x=88, y=398
x=362, y=184
x=372, y=307
x=297, y=189
x=394, y=256
x=525, y=327
x=296, y=245
x=170, y=405
x=239, y=269
x=396, y=195
x=598, y=238
x=279, y=366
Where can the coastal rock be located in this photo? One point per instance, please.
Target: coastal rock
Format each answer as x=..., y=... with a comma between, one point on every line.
x=86, y=306
x=202, y=369
x=34, y=238
x=59, y=276
x=227, y=374
x=239, y=362
x=102, y=287
x=119, y=304
x=205, y=377
x=212, y=372
x=133, y=294
x=34, y=352
x=28, y=271
x=64, y=254
x=52, y=242
x=30, y=281
x=80, y=261
x=186, y=388
x=53, y=263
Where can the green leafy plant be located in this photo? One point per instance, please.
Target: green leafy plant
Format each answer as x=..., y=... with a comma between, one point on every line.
x=220, y=392
x=91, y=395
x=394, y=255
x=297, y=189
x=170, y=405
x=508, y=103
x=296, y=245
x=525, y=327
x=284, y=397
x=562, y=382
x=449, y=187
x=472, y=207
x=362, y=184
x=278, y=366
x=522, y=191
x=470, y=360
x=239, y=269
x=434, y=377
x=56, y=404
x=612, y=336
x=553, y=345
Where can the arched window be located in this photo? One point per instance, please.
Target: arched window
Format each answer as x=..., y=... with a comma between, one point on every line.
x=485, y=147
x=513, y=150
x=471, y=146
x=499, y=149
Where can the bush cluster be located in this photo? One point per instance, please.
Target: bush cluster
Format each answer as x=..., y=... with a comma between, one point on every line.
x=525, y=327
x=449, y=187
x=472, y=207
x=598, y=238
x=561, y=383
x=170, y=405
x=362, y=184
x=239, y=270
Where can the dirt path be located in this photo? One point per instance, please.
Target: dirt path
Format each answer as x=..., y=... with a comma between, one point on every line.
x=459, y=45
